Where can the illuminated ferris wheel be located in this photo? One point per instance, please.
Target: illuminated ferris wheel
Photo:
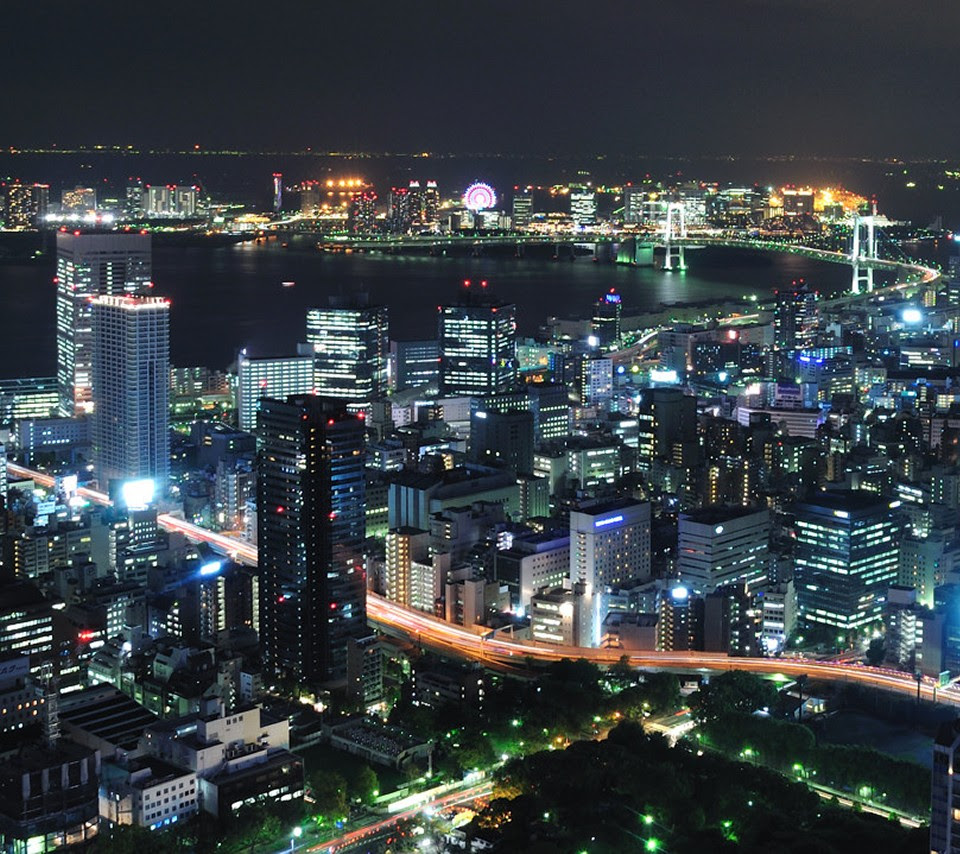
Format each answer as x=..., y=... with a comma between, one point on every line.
x=479, y=197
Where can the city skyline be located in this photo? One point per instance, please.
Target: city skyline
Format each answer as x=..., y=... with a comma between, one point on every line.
x=562, y=497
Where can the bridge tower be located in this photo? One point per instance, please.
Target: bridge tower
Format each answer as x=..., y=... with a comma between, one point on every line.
x=864, y=249
x=675, y=228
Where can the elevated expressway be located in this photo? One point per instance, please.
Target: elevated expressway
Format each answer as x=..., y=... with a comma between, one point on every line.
x=500, y=651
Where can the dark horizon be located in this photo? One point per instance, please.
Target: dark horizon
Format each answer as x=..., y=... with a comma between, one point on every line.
x=689, y=78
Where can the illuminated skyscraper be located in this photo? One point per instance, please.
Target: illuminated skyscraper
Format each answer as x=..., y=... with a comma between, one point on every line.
x=605, y=323
x=583, y=206
x=277, y=378
x=478, y=344
x=363, y=214
x=311, y=518
x=88, y=266
x=424, y=204
x=522, y=210
x=26, y=205
x=351, y=349
x=720, y=546
x=845, y=558
x=399, y=216
x=131, y=388
x=633, y=204
x=795, y=317
x=133, y=205
x=609, y=545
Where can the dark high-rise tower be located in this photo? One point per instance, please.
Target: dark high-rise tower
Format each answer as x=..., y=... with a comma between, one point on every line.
x=311, y=518
x=478, y=344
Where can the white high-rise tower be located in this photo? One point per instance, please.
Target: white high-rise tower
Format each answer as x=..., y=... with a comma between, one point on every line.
x=131, y=388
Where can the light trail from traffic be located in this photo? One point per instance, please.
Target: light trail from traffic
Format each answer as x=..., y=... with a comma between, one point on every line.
x=354, y=837
x=481, y=644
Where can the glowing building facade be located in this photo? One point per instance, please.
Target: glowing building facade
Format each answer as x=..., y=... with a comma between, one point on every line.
x=131, y=388
x=89, y=266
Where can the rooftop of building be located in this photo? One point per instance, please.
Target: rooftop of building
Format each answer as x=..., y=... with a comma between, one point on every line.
x=601, y=507
x=846, y=500
x=37, y=755
x=157, y=773
x=105, y=713
x=717, y=513
x=369, y=732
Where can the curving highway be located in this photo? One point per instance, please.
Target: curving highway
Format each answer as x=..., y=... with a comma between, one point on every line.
x=496, y=650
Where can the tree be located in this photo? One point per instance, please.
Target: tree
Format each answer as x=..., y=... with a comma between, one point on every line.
x=875, y=652
x=132, y=839
x=663, y=692
x=363, y=784
x=621, y=673
x=735, y=691
x=329, y=791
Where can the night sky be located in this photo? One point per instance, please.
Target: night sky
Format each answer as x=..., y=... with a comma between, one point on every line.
x=752, y=77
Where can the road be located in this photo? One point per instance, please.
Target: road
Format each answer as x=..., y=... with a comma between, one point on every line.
x=368, y=833
x=503, y=652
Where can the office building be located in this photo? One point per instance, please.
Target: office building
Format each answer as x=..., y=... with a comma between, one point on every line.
x=927, y=562
x=634, y=200
x=550, y=405
x=522, y=210
x=720, y=546
x=311, y=526
x=502, y=439
x=478, y=345
x=846, y=556
x=674, y=415
x=404, y=547
x=238, y=758
x=49, y=796
x=556, y=616
x=778, y=611
x=596, y=382
x=680, y=623
x=583, y=206
x=605, y=323
x=416, y=363
x=530, y=564
x=28, y=397
x=88, y=266
x=795, y=317
x=277, y=378
x=609, y=545
x=351, y=347
x=131, y=388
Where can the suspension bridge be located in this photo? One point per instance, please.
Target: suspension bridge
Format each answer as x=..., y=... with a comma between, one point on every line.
x=672, y=238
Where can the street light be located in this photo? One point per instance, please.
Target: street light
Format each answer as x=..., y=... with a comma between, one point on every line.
x=295, y=834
